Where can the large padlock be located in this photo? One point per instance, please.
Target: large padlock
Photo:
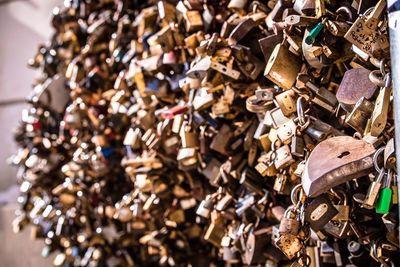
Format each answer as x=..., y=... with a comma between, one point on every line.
x=282, y=67
x=345, y=158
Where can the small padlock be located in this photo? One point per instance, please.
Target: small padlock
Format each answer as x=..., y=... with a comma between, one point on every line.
x=343, y=208
x=205, y=207
x=289, y=244
x=290, y=223
x=373, y=191
x=384, y=200
x=319, y=212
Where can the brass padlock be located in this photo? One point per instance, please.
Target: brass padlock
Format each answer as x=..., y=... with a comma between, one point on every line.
x=358, y=118
x=280, y=183
x=188, y=136
x=366, y=26
x=379, y=115
x=193, y=20
x=214, y=233
x=286, y=102
x=221, y=140
x=282, y=67
x=187, y=158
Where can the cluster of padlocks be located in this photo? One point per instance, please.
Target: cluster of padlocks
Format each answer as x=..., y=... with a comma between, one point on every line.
x=212, y=133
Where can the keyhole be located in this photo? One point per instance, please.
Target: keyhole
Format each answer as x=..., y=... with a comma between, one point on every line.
x=344, y=154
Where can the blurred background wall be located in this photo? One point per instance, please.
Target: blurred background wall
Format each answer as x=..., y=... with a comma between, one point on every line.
x=23, y=25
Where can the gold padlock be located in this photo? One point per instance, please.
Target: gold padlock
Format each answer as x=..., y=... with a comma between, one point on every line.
x=282, y=67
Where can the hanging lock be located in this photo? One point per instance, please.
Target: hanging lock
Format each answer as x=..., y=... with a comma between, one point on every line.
x=282, y=67
x=380, y=113
x=342, y=207
x=345, y=158
x=365, y=34
x=319, y=212
x=384, y=200
x=287, y=240
x=375, y=186
x=290, y=223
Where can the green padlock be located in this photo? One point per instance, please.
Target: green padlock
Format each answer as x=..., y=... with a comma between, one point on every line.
x=384, y=201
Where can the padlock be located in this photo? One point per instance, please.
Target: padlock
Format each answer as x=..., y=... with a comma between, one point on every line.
x=275, y=118
x=286, y=131
x=286, y=102
x=187, y=158
x=304, y=6
x=165, y=127
x=202, y=99
x=379, y=115
x=221, y=140
x=276, y=69
x=237, y=4
x=350, y=150
x=384, y=200
x=356, y=252
x=297, y=146
x=283, y=157
x=224, y=202
x=289, y=244
x=256, y=241
x=364, y=27
x=319, y=212
x=349, y=92
x=266, y=169
x=343, y=208
x=249, y=64
x=360, y=114
x=290, y=223
x=188, y=137
x=276, y=13
x=268, y=44
x=338, y=229
x=252, y=180
x=205, y=207
x=193, y=20
x=373, y=191
x=214, y=234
